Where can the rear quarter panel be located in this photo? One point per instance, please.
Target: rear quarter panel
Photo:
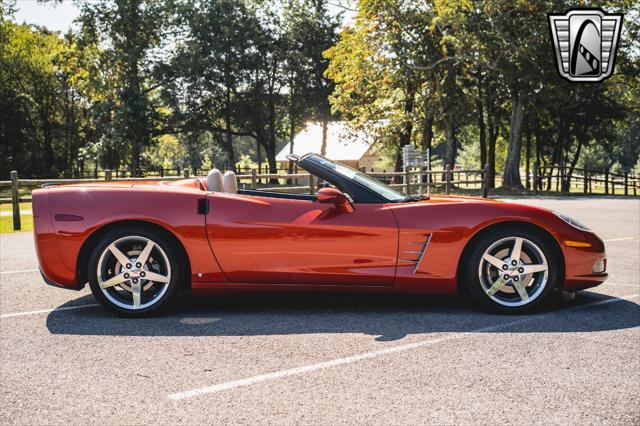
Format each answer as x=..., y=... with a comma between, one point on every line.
x=59, y=242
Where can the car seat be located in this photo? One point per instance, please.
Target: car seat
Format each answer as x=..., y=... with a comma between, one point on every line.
x=230, y=183
x=214, y=181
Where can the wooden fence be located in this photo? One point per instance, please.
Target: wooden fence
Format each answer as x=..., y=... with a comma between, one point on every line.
x=411, y=182
x=162, y=172
x=565, y=180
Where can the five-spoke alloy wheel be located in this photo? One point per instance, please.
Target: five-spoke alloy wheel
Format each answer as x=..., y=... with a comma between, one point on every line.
x=511, y=270
x=134, y=272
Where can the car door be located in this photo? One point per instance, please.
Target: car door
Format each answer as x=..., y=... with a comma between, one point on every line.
x=291, y=241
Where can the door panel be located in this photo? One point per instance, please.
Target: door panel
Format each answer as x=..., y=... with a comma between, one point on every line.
x=274, y=240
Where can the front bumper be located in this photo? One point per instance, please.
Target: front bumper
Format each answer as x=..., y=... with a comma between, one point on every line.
x=583, y=265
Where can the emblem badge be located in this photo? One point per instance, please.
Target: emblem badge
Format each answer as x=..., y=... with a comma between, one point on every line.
x=585, y=43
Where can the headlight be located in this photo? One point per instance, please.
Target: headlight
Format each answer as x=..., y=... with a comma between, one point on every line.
x=572, y=221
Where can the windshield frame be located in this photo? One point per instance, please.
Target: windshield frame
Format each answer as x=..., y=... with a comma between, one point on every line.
x=373, y=191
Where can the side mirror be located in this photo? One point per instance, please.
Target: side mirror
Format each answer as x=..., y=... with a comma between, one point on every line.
x=335, y=197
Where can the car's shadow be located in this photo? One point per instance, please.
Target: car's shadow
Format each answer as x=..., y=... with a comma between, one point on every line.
x=383, y=317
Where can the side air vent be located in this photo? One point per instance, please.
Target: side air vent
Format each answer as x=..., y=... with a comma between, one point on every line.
x=414, y=253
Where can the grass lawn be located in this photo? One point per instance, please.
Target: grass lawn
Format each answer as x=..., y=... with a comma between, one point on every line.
x=8, y=208
x=6, y=222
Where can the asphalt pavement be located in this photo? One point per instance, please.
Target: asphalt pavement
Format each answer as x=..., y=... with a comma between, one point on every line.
x=327, y=359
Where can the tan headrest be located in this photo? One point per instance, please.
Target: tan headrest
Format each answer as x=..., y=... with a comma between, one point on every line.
x=230, y=182
x=214, y=181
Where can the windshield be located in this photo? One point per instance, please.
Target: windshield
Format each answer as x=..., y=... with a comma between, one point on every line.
x=363, y=179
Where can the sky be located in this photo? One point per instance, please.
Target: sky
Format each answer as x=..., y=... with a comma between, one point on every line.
x=59, y=16
x=56, y=17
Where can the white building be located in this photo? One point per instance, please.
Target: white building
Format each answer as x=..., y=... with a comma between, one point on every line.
x=352, y=147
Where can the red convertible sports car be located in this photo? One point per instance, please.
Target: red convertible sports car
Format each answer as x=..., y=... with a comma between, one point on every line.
x=140, y=244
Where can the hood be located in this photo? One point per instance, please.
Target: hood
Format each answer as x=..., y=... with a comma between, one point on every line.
x=459, y=199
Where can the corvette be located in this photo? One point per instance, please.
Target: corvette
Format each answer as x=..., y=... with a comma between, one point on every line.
x=141, y=244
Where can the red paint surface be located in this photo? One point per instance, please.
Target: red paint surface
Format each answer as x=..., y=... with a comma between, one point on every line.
x=249, y=243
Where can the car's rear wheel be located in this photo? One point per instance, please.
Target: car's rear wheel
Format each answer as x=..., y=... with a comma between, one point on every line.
x=134, y=271
x=512, y=270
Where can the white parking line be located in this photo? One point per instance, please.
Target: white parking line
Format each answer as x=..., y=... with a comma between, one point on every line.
x=610, y=240
x=44, y=311
x=19, y=271
x=359, y=357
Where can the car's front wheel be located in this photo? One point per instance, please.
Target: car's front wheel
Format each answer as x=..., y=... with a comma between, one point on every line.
x=512, y=270
x=134, y=271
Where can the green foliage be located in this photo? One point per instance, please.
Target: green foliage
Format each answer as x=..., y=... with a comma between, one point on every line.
x=226, y=83
x=168, y=152
x=42, y=78
x=480, y=75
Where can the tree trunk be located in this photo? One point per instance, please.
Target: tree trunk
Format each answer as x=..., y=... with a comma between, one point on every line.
x=292, y=127
x=451, y=150
x=405, y=136
x=273, y=167
x=407, y=130
x=553, y=162
x=481, y=126
x=325, y=128
x=581, y=141
x=229, y=132
x=528, y=155
x=511, y=176
x=539, y=158
x=259, y=154
x=492, y=127
x=270, y=148
x=134, y=113
x=565, y=143
x=491, y=154
x=427, y=140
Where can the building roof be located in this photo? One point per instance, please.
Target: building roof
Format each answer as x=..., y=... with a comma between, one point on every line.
x=343, y=143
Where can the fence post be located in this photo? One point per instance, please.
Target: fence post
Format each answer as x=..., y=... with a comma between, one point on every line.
x=584, y=181
x=254, y=178
x=535, y=178
x=407, y=182
x=15, y=201
x=626, y=183
x=606, y=182
x=311, y=188
x=613, y=185
x=108, y=175
x=186, y=173
x=447, y=176
x=485, y=181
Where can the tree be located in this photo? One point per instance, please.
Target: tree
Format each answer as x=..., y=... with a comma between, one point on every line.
x=43, y=119
x=126, y=31
x=373, y=68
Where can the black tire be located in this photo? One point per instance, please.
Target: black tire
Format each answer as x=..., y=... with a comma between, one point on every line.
x=162, y=298
x=477, y=273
